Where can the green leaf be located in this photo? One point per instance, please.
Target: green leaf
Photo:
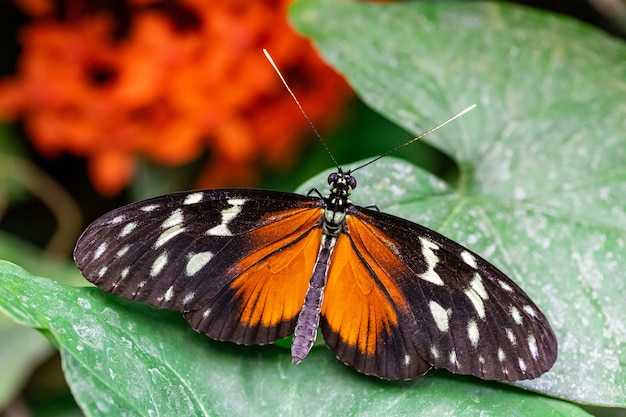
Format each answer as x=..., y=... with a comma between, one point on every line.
x=27, y=255
x=21, y=350
x=542, y=161
x=124, y=358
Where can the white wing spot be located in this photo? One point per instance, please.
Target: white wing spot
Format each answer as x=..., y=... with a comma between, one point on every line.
x=190, y=296
x=175, y=219
x=477, y=302
x=440, y=315
x=481, y=359
x=477, y=285
x=517, y=317
x=168, y=234
x=102, y=271
x=122, y=251
x=193, y=198
x=228, y=215
x=219, y=230
x=407, y=360
x=149, y=207
x=435, y=352
x=117, y=220
x=126, y=230
x=529, y=310
x=125, y=272
x=511, y=336
x=522, y=365
x=100, y=250
x=141, y=284
x=532, y=345
x=206, y=313
x=453, y=359
x=158, y=264
x=198, y=261
x=501, y=355
x=506, y=287
x=431, y=261
x=169, y=293
x=469, y=259
x=472, y=333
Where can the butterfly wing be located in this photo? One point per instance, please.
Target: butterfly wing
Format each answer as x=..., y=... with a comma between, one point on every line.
x=400, y=296
x=209, y=254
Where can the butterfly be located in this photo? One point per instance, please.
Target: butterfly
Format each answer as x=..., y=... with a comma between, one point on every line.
x=393, y=298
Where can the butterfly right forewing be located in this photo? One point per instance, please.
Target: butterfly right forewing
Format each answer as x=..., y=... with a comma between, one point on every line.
x=448, y=306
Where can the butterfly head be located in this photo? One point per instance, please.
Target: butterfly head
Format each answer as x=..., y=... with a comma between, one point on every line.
x=341, y=184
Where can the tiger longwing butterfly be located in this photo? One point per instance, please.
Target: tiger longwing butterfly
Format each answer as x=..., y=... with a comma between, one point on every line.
x=393, y=298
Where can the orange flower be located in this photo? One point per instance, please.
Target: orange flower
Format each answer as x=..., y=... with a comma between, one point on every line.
x=166, y=80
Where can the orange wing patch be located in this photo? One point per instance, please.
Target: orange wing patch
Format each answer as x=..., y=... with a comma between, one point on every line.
x=272, y=288
x=361, y=300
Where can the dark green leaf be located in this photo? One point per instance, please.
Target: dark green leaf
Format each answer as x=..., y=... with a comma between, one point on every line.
x=542, y=160
x=21, y=349
x=125, y=359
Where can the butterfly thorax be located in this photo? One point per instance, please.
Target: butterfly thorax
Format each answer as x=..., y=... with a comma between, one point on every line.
x=337, y=202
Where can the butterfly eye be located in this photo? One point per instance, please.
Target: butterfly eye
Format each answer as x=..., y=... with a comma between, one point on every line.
x=352, y=182
x=332, y=178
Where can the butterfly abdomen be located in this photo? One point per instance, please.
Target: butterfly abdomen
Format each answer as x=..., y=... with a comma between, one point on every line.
x=309, y=317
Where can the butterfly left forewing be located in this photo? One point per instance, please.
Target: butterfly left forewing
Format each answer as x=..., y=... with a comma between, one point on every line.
x=196, y=252
x=262, y=302
x=454, y=309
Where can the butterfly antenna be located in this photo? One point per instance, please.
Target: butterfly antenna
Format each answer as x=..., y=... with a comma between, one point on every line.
x=269, y=58
x=456, y=116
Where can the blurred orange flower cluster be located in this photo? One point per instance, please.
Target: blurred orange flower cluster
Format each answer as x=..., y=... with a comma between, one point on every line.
x=166, y=80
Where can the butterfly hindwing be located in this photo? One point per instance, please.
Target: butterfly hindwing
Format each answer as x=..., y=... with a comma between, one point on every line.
x=419, y=297
x=365, y=317
x=209, y=254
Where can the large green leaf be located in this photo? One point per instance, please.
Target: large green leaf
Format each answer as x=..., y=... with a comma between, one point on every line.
x=125, y=359
x=542, y=161
x=22, y=349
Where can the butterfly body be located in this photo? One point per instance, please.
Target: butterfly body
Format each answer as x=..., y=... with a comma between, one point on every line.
x=392, y=298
